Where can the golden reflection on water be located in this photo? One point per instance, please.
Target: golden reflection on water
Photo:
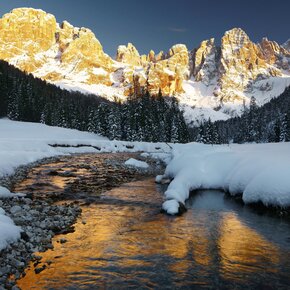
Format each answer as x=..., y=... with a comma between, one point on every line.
x=124, y=241
x=242, y=249
x=38, y=181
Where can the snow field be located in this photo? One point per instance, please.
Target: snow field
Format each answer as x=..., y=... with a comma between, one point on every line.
x=259, y=172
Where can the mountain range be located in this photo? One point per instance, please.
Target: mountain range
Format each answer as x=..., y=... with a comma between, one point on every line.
x=210, y=81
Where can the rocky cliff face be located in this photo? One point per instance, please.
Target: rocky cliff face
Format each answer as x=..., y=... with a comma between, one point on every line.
x=168, y=74
x=238, y=65
x=154, y=73
x=241, y=62
x=276, y=54
x=33, y=41
x=128, y=55
x=26, y=33
x=204, y=62
x=61, y=52
x=207, y=77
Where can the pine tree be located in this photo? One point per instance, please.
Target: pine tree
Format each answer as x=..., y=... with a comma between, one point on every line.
x=277, y=131
x=42, y=118
x=114, y=123
x=102, y=122
x=284, y=131
x=215, y=135
x=174, y=132
x=201, y=134
x=13, y=105
x=92, y=122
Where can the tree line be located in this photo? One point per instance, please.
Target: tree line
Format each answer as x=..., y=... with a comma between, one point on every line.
x=141, y=118
x=268, y=123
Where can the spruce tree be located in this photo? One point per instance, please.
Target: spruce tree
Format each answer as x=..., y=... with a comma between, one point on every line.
x=284, y=131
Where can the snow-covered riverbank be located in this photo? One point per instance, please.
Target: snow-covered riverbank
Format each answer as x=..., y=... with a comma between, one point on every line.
x=259, y=172
x=22, y=143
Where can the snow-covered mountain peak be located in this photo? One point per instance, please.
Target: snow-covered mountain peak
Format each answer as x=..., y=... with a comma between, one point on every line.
x=210, y=81
x=234, y=39
x=286, y=45
x=128, y=54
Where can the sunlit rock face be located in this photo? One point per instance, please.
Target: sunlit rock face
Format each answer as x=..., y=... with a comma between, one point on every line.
x=242, y=62
x=128, y=54
x=26, y=32
x=168, y=74
x=271, y=50
x=79, y=46
x=151, y=56
x=237, y=67
x=275, y=54
x=156, y=74
x=57, y=52
x=39, y=45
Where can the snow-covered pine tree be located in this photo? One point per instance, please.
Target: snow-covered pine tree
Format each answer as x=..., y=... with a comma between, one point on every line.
x=13, y=105
x=174, y=131
x=277, y=130
x=42, y=118
x=208, y=138
x=114, y=123
x=74, y=116
x=252, y=132
x=92, y=122
x=284, y=130
x=102, y=123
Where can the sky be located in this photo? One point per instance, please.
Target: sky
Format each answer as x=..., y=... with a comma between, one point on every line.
x=159, y=24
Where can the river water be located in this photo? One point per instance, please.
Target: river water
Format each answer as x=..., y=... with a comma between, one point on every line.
x=122, y=241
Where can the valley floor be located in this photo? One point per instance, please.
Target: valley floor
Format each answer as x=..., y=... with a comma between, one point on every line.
x=258, y=172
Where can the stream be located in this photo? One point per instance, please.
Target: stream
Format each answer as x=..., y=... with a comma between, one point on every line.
x=122, y=241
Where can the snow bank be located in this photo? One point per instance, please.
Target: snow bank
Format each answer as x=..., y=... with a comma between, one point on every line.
x=136, y=163
x=23, y=142
x=8, y=231
x=171, y=206
x=260, y=172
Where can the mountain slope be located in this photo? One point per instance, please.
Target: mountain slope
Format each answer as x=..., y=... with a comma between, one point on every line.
x=209, y=81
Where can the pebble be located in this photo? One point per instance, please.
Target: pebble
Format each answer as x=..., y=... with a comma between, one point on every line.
x=38, y=220
x=15, y=209
x=40, y=269
x=62, y=241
